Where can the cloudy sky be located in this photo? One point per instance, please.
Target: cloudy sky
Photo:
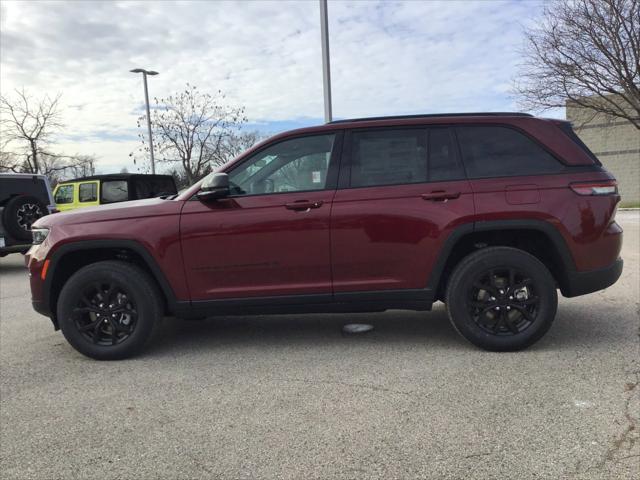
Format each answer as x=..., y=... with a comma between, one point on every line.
x=387, y=58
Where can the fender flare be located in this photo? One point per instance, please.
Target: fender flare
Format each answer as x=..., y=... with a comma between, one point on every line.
x=568, y=264
x=132, y=245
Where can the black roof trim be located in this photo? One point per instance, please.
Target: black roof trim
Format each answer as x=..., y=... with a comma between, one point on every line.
x=432, y=115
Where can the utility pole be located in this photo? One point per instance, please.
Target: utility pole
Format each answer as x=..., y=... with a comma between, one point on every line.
x=146, y=98
x=326, y=69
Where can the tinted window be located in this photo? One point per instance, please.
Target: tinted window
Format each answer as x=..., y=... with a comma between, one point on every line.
x=88, y=192
x=502, y=151
x=64, y=194
x=293, y=165
x=114, y=191
x=443, y=159
x=388, y=157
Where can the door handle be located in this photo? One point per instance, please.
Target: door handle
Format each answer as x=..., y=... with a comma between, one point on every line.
x=303, y=205
x=440, y=196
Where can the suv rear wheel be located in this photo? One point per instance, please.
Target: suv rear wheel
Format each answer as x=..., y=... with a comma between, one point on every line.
x=501, y=299
x=107, y=310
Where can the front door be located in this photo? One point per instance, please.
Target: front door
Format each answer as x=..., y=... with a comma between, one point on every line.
x=402, y=192
x=270, y=237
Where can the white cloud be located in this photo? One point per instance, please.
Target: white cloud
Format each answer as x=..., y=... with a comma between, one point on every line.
x=387, y=58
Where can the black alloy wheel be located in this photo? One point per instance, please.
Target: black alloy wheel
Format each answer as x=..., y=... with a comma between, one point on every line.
x=501, y=298
x=105, y=315
x=503, y=301
x=108, y=310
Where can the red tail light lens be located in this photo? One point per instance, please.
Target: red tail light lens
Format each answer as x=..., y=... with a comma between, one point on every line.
x=605, y=187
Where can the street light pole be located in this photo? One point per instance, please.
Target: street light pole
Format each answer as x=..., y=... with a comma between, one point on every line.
x=146, y=98
x=326, y=70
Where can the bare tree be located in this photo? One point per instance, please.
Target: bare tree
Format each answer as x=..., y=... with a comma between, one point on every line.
x=28, y=125
x=189, y=127
x=233, y=145
x=586, y=52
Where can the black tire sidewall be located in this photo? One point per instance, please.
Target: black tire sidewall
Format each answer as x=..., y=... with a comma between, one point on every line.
x=499, y=257
x=139, y=288
x=10, y=215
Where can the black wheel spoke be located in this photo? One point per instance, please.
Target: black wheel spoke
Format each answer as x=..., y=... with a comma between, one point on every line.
x=96, y=332
x=510, y=324
x=512, y=277
x=89, y=326
x=525, y=313
x=114, y=332
x=485, y=287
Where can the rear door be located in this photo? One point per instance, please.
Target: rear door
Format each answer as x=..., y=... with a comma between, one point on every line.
x=88, y=194
x=401, y=192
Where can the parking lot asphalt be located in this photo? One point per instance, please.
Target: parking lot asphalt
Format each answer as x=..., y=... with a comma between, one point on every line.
x=291, y=397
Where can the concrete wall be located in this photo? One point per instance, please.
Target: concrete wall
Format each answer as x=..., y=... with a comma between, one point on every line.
x=616, y=143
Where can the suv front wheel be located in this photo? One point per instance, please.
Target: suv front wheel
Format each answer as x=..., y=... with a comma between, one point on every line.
x=501, y=299
x=107, y=310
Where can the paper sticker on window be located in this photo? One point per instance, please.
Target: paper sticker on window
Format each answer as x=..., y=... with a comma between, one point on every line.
x=316, y=177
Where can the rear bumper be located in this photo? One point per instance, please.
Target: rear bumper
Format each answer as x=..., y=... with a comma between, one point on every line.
x=581, y=283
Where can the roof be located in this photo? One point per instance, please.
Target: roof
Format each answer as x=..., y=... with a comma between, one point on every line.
x=433, y=115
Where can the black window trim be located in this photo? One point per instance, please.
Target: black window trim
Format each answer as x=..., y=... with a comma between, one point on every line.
x=332, y=171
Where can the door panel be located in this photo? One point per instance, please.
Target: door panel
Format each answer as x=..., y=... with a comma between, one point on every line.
x=256, y=246
x=389, y=237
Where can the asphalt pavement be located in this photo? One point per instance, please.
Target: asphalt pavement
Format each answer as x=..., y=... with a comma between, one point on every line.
x=294, y=397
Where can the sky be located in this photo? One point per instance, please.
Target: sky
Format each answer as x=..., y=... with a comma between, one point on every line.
x=387, y=58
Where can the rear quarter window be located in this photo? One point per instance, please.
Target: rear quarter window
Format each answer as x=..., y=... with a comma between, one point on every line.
x=114, y=191
x=494, y=151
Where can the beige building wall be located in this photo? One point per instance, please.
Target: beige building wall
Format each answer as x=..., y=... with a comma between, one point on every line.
x=616, y=142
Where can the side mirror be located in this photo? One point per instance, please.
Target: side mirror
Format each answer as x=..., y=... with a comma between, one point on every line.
x=215, y=186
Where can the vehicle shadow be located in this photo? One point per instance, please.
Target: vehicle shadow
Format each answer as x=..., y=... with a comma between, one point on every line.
x=291, y=331
x=576, y=327
x=12, y=267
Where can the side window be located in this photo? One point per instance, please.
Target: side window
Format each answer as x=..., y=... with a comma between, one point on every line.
x=443, y=162
x=88, y=192
x=114, y=191
x=299, y=164
x=493, y=151
x=388, y=157
x=64, y=194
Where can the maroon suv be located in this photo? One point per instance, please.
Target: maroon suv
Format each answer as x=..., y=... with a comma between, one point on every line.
x=490, y=213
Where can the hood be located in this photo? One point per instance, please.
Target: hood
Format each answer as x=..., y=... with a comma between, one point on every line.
x=114, y=211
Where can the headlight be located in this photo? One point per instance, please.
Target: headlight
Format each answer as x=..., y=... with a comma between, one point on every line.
x=39, y=234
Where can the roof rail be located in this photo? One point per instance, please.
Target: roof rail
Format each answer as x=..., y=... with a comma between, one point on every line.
x=431, y=115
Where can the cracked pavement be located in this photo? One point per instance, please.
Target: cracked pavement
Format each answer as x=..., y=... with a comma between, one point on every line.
x=291, y=397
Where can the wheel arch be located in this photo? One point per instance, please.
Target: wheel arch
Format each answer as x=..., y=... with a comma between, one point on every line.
x=537, y=237
x=70, y=257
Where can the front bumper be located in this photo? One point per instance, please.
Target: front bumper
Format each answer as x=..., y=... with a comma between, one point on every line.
x=581, y=283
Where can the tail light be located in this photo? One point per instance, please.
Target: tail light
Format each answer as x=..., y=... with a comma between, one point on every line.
x=604, y=187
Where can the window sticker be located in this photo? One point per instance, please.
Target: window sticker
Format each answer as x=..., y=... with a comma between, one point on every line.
x=316, y=176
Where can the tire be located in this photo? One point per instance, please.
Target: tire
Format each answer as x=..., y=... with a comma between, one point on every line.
x=516, y=308
x=108, y=310
x=19, y=214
